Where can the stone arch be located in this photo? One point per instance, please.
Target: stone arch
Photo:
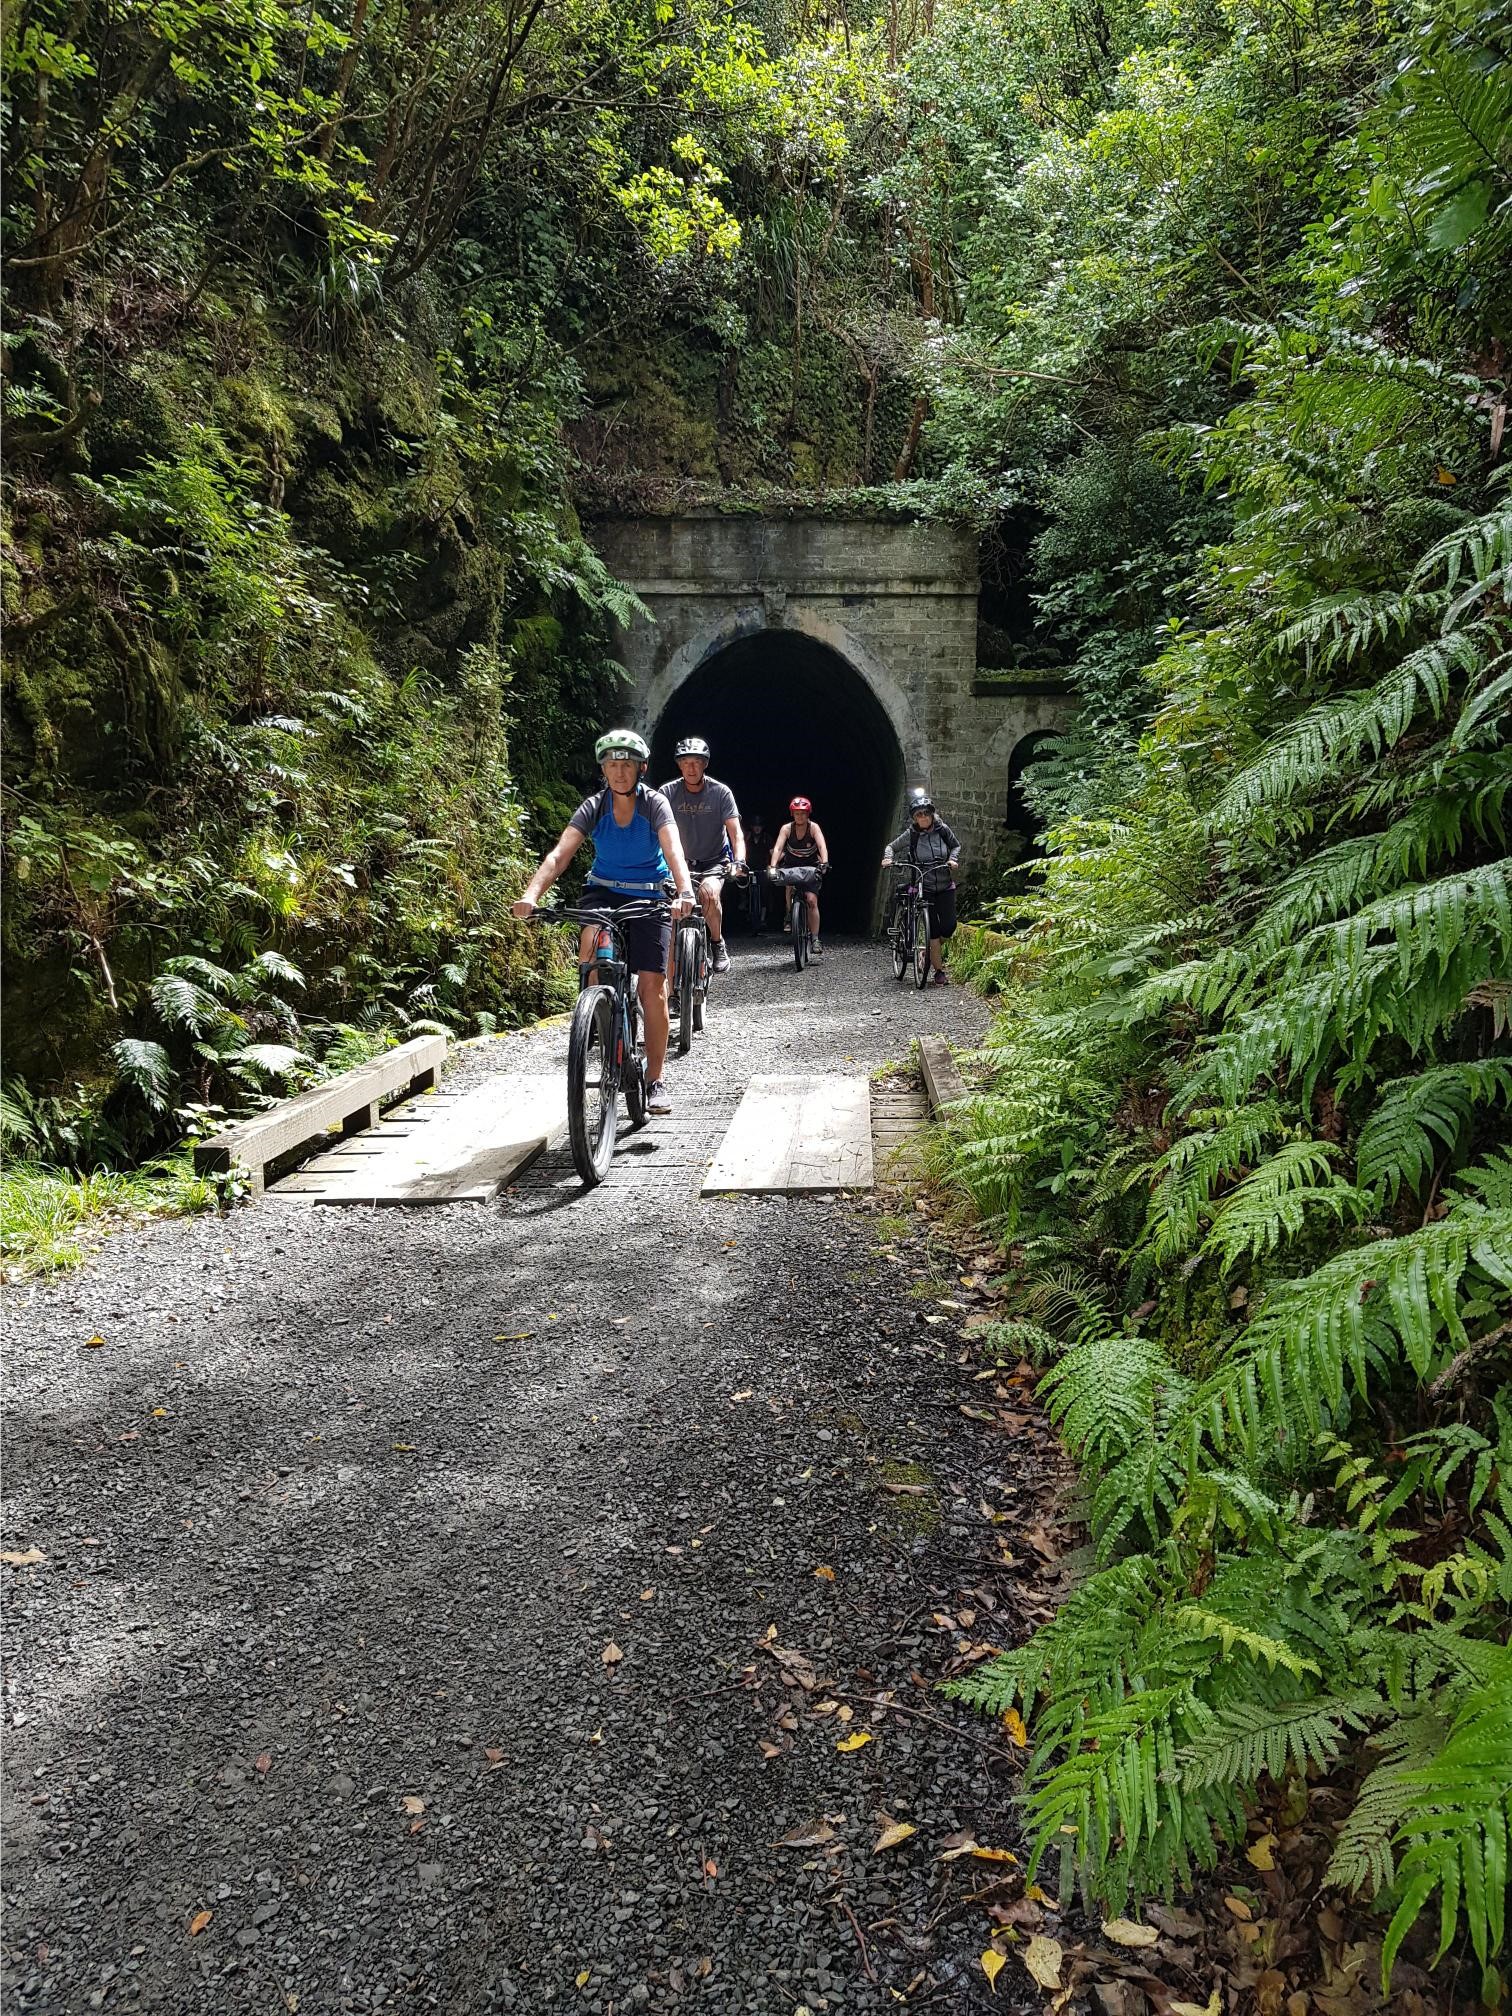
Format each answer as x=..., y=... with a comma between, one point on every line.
x=788, y=708
x=1017, y=816
x=753, y=619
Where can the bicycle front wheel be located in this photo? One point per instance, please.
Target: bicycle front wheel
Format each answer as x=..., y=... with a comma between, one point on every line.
x=687, y=985
x=633, y=1071
x=800, y=929
x=592, y=1084
x=921, y=946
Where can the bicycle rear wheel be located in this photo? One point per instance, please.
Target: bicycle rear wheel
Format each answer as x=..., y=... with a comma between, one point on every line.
x=687, y=985
x=921, y=946
x=592, y=1084
x=800, y=929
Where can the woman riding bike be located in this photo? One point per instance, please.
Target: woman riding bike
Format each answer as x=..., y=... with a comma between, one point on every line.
x=635, y=850
x=801, y=844
x=935, y=851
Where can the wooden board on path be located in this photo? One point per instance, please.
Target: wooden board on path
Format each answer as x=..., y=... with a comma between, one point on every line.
x=443, y=1149
x=796, y=1135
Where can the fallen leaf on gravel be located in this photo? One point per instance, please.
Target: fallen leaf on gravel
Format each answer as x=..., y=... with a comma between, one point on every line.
x=745, y=1393
x=1209, y=2008
x=263, y=1764
x=1035, y=1895
x=825, y=1574
x=1239, y=1908
x=711, y=1868
x=813, y=1836
x=27, y=1560
x=844, y=1714
x=993, y=1855
x=1124, y=1932
x=411, y=1804
x=417, y=1827
x=771, y=1749
x=905, y=1490
x=993, y=1964
x=894, y=1832
x=198, y=1923
x=404, y=1448
x=160, y=1413
x=855, y=1740
x=515, y=1337
x=977, y=1413
x=611, y=1654
x=788, y=1722
x=584, y=1978
x=1042, y=1957
x=494, y=1756
x=957, y=1845
x=1013, y=1722
x=824, y=1707
x=93, y=1343
x=1258, y=1854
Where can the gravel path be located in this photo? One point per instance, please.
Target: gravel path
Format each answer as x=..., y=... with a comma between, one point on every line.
x=445, y=1601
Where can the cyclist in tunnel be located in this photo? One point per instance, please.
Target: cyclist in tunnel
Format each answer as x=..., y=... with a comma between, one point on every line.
x=708, y=824
x=801, y=844
x=636, y=850
x=935, y=851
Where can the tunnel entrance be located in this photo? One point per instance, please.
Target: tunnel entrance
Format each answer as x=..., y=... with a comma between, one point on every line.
x=785, y=716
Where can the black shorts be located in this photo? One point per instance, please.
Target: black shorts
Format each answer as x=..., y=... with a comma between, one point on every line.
x=648, y=940
x=942, y=911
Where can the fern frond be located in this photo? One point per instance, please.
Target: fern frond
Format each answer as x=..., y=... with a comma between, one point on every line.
x=1363, y=1856
x=1369, y=720
x=1417, y=1119
x=1455, y=1835
x=1277, y=1201
x=1240, y=1743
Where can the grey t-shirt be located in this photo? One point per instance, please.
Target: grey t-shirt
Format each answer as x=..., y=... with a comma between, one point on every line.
x=701, y=818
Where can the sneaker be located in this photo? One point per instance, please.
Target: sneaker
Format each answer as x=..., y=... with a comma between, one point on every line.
x=658, y=1098
x=816, y=949
x=941, y=978
x=721, y=956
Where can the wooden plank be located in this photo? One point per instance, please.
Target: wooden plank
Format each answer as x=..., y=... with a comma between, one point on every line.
x=942, y=1078
x=467, y=1150
x=350, y=1097
x=797, y=1136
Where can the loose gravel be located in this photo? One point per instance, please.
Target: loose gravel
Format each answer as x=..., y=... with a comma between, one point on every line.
x=438, y=1606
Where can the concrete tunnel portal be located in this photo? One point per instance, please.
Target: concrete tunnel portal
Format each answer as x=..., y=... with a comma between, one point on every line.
x=785, y=714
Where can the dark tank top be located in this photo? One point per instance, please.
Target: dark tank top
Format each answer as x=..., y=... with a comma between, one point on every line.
x=800, y=853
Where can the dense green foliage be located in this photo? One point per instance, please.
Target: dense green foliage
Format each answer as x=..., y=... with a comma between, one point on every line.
x=1245, y=1106
x=322, y=330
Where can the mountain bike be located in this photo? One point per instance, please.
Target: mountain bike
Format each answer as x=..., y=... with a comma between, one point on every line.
x=603, y=1045
x=691, y=966
x=800, y=883
x=910, y=929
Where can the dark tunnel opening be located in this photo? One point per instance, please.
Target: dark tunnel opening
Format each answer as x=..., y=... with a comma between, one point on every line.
x=785, y=716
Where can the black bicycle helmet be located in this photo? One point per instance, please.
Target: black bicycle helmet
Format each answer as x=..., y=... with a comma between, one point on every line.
x=919, y=800
x=693, y=745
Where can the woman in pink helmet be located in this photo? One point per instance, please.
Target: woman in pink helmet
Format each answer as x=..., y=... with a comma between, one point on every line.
x=800, y=844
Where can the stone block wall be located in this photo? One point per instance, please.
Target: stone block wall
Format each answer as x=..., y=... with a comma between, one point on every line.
x=898, y=602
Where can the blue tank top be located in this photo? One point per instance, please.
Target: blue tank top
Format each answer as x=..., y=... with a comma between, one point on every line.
x=627, y=858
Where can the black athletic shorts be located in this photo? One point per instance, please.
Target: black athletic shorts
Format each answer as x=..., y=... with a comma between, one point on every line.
x=942, y=912
x=648, y=940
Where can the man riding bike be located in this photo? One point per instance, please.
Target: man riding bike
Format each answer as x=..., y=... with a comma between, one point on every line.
x=935, y=851
x=635, y=850
x=708, y=824
x=801, y=844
